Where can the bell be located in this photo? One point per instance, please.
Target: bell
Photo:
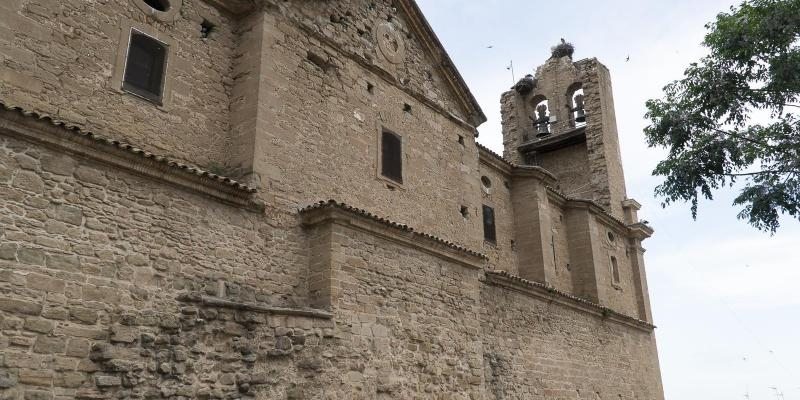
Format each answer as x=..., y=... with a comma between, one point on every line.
x=542, y=129
x=580, y=115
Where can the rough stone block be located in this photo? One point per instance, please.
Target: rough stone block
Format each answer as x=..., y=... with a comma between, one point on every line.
x=63, y=262
x=69, y=214
x=45, y=283
x=59, y=164
x=83, y=315
x=36, y=377
x=39, y=325
x=20, y=307
x=28, y=181
x=38, y=395
x=29, y=255
x=8, y=251
x=49, y=345
x=78, y=348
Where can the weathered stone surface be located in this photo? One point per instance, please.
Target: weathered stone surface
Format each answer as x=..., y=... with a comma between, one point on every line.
x=19, y=306
x=126, y=277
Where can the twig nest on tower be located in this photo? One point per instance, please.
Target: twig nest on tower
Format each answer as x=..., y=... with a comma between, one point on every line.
x=525, y=85
x=563, y=49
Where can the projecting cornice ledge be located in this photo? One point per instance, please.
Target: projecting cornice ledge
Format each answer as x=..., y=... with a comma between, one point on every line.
x=344, y=215
x=534, y=289
x=63, y=137
x=234, y=7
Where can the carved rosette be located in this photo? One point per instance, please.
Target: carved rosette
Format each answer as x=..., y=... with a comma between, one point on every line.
x=391, y=43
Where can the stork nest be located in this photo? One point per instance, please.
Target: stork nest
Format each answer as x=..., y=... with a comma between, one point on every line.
x=565, y=49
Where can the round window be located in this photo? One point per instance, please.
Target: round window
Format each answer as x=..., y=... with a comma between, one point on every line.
x=160, y=5
x=162, y=10
x=611, y=237
x=486, y=182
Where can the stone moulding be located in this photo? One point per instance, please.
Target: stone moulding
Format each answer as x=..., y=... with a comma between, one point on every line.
x=216, y=302
x=339, y=213
x=534, y=289
x=61, y=136
x=494, y=160
x=639, y=230
x=388, y=78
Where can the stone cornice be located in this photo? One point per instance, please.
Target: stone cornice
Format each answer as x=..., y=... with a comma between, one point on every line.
x=339, y=213
x=387, y=77
x=63, y=137
x=234, y=7
x=446, y=65
x=638, y=230
x=492, y=159
x=534, y=289
x=217, y=302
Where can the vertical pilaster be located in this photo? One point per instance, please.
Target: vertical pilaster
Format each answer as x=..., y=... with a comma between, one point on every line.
x=533, y=230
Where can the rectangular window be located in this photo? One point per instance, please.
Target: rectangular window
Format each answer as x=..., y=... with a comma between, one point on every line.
x=145, y=66
x=392, y=156
x=489, y=232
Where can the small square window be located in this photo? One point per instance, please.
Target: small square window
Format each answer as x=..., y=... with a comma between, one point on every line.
x=489, y=230
x=392, y=156
x=145, y=65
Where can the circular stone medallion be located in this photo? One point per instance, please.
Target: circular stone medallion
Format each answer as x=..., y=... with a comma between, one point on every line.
x=391, y=43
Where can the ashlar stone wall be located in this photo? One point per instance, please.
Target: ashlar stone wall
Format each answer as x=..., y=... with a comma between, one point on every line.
x=536, y=348
x=324, y=107
x=58, y=57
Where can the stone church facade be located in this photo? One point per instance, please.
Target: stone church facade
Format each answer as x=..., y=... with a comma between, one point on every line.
x=167, y=229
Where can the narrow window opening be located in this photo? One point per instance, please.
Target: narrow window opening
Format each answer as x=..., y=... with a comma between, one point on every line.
x=489, y=230
x=465, y=212
x=145, y=67
x=370, y=88
x=392, y=156
x=407, y=108
x=460, y=140
x=206, y=27
x=614, y=271
x=611, y=237
x=159, y=5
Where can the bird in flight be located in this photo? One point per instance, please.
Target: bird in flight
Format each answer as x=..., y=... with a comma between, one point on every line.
x=628, y=58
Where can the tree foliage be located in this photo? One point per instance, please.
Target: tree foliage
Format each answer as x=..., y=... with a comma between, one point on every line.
x=735, y=116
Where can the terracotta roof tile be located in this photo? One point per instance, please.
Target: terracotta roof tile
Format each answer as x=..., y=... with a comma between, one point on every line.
x=550, y=289
x=131, y=149
x=388, y=222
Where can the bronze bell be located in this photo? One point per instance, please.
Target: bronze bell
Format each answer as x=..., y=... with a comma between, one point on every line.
x=580, y=115
x=542, y=129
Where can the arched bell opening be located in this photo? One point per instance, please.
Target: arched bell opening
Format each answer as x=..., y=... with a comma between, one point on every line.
x=575, y=103
x=542, y=118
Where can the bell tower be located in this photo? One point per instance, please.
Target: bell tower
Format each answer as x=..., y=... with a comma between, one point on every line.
x=562, y=119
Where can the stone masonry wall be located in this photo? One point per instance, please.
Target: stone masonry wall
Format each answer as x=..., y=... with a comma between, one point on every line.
x=321, y=117
x=502, y=254
x=57, y=58
x=537, y=349
x=97, y=256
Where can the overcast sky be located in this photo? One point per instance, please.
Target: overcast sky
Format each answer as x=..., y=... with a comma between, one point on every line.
x=725, y=296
